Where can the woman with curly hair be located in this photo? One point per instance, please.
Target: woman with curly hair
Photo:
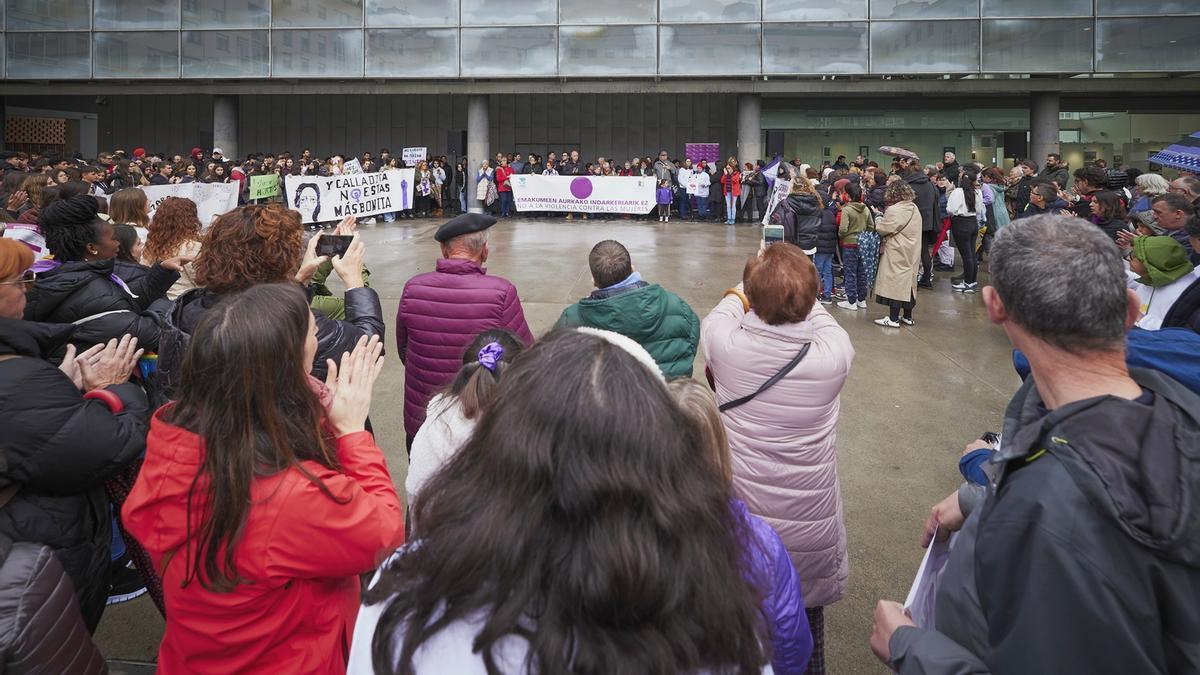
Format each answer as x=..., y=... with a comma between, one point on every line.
x=129, y=206
x=174, y=231
x=900, y=230
x=264, y=244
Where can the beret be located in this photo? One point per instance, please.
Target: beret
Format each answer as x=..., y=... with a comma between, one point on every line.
x=467, y=223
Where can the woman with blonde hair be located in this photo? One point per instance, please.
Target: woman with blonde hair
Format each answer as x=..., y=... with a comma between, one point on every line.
x=129, y=206
x=174, y=231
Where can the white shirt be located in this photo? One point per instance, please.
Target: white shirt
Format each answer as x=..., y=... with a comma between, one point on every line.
x=685, y=177
x=1156, y=301
x=445, y=431
x=702, y=183
x=956, y=203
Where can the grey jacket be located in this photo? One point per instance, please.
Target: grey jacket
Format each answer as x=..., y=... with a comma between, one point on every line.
x=1085, y=556
x=41, y=629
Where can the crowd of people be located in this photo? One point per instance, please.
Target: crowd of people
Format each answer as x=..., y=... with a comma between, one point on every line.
x=191, y=419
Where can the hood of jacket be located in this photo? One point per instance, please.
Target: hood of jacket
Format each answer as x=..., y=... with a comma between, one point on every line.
x=916, y=178
x=803, y=204
x=857, y=208
x=1138, y=464
x=637, y=312
x=55, y=286
x=33, y=339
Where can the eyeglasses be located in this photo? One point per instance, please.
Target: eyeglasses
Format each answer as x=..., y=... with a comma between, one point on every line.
x=28, y=278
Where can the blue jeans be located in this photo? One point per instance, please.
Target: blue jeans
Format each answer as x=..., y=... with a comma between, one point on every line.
x=681, y=203
x=856, y=274
x=462, y=202
x=389, y=217
x=731, y=208
x=702, y=207
x=506, y=204
x=824, y=262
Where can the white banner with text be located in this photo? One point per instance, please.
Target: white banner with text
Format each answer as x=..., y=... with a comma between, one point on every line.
x=212, y=199
x=584, y=194
x=330, y=198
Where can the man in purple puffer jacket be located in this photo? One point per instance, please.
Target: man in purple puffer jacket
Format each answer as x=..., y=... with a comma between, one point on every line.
x=442, y=311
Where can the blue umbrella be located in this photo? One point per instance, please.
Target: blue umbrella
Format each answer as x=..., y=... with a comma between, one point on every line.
x=1184, y=155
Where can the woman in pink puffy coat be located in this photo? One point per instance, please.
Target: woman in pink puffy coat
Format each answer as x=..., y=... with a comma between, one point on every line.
x=783, y=440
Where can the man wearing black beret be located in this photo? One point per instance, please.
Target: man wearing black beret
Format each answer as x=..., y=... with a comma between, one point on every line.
x=442, y=311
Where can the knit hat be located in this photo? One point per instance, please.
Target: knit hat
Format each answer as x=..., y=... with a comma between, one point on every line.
x=139, y=152
x=1166, y=260
x=1148, y=219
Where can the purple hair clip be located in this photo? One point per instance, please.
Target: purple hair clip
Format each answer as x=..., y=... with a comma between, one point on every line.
x=490, y=355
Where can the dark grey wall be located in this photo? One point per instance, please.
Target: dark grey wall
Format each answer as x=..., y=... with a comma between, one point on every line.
x=166, y=124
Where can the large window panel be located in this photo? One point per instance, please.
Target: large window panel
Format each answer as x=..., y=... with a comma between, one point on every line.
x=316, y=53
x=412, y=13
x=1037, y=46
x=226, y=13
x=509, y=52
x=808, y=48
x=709, y=10
x=1036, y=9
x=52, y=56
x=139, y=55
x=225, y=53
x=49, y=14
x=1150, y=7
x=495, y=12
x=924, y=9
x=317, y=14
x=412, y=52
x=606, y=50
x=814, y=10
x=731, y=49
x=1150, y=44
x=140, y=14
x=904, y=47
x=608, y=12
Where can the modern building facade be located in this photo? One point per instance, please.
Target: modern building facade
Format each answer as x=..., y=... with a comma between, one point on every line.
x=997, y=78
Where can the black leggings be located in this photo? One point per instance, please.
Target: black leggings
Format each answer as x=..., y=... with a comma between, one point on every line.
x=965, y=229
x=928, y=237
x=895, y=307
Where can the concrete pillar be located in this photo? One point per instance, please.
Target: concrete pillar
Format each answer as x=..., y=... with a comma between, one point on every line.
x=225, y=125
x=1043, y=125
x=478, y=143
x=749, y=138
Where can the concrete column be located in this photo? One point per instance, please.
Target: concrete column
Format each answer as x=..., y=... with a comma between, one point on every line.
x=225, y=125
x=749, y=138
x=1043, y=125
x=478, y=144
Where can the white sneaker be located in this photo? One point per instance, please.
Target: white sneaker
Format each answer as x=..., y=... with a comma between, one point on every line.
x=862, y=304
x=971, y=288
x=959, y=286
x=907, y=322
x=848, y=305
x=887, y=321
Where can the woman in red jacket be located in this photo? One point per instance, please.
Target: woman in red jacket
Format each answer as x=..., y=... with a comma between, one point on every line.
x=731, y=188
x=262, y=497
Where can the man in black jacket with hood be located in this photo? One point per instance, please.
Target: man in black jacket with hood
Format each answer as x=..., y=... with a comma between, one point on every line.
x=1085, y=555
x=926, y=199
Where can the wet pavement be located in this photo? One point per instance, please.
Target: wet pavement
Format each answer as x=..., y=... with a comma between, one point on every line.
x=915, y=397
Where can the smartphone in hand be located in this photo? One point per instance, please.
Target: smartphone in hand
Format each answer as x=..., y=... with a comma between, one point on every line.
x=334, y=244
x=772, y=234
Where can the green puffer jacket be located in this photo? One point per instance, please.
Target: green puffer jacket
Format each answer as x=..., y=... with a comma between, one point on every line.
x=650, y=315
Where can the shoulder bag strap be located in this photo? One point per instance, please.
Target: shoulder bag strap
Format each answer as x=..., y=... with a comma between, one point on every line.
x=769, y=383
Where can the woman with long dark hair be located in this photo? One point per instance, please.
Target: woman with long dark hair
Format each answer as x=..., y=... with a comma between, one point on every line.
x=262, y=497
x=575, y=532
x=965, y=205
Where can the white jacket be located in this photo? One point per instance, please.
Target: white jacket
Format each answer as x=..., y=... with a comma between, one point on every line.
x=703, y=181
x=1156, y=301
x=444, y=432
x=956, y=203
x=685, y=176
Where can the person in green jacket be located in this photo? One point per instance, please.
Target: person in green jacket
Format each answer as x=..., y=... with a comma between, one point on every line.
x=650, y=315
x=854, y=219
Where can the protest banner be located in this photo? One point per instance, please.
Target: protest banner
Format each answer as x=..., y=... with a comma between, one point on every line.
x=413, y=155
x=28, y=235
x=329, y=198
x=212, y=199
x=584, y=194
x=780, y=193
x=352, y=166
x=264, y=186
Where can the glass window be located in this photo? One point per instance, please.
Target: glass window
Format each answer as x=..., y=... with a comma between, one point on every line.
x=316, y=53
x=412, y=52
x=234, y=53
x=1151, y=44
x=609, y=12
x=49, y=14
x=814, y=10
x=508, y=11
x=1151, y=7
x=924, y=47
x=606, y=50
x=807, y=48
x=1037, y=46
x=145, y=14
x=412, y=13
x=1036, y=9
x=709, y=10
x=137, y=54
x=924, y=9
x=226, y=13
x=316, y=13
x=49, y=55
x=731, y=49
x=509, y=52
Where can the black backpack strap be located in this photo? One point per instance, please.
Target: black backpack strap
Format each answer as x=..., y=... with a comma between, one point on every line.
x=791, y=365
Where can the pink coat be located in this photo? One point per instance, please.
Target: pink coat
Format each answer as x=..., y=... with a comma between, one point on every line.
x=784, y=441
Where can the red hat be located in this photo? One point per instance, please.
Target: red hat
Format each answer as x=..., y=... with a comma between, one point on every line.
x=197, y=151
x=139, y=152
